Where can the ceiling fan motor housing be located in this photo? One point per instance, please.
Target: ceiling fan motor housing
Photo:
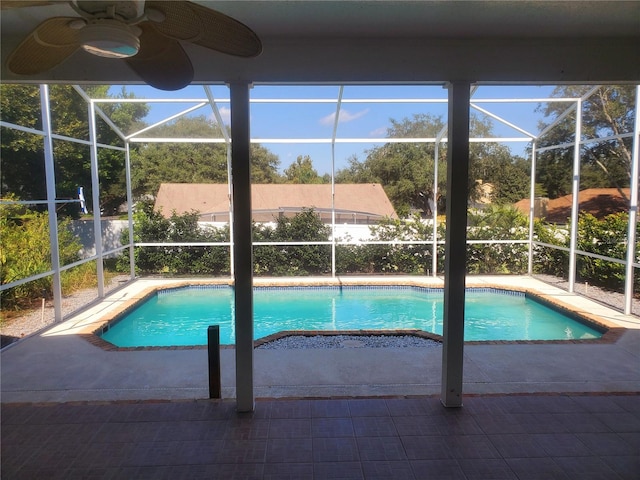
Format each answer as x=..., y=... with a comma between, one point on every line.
x=110, y=38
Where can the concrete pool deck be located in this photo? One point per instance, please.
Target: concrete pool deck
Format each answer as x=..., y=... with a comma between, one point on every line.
x=58, y=365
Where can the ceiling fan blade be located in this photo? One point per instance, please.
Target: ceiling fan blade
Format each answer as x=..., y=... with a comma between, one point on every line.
x=49, y=44
x=208, y=28
x=161, y=61
x=7, y=4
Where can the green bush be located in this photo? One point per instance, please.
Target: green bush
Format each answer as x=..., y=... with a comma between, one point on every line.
x=497, y=222
x=152, y=227
x=25, y=251
x=547, y=260
x=606, y=237
x=284, y=260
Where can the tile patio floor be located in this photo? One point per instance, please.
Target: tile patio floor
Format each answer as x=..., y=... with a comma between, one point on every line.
x=71, y=410
x=491, y=437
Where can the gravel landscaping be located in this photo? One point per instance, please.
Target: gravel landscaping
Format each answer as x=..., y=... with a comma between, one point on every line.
x=348, y=341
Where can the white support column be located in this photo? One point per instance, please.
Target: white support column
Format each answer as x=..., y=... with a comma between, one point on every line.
x=227, y=140
x=575, y=190
x=336, y=120
x=633, y=210
x=532, y=197
x=242, y=240
x=456, y=243
x=434, y=210
x=436, y=156
x=95, y=191
x=127, y=170
x=50, y=173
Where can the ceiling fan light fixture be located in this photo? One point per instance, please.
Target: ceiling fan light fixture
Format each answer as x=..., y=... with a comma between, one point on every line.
x=110, y=38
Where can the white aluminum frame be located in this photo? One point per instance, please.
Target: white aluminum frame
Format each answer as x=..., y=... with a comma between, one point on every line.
x=574, y=104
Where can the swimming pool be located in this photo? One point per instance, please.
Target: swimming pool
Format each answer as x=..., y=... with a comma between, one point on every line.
x=180, y=316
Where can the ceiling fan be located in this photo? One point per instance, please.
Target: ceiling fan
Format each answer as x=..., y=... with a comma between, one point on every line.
x=146, y=35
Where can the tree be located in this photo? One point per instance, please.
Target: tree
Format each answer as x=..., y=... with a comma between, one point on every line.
x=607, y=112
x=406, y=170
x=22, y=169
x=179, y=162
x=302, y=171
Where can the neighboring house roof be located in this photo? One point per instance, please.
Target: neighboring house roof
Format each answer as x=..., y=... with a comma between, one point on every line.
x=354, y=203
x=599, y=202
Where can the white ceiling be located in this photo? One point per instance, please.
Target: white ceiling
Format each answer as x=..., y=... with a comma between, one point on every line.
x=413, y=41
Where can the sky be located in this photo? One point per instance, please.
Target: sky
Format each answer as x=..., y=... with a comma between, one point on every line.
x=290, y=129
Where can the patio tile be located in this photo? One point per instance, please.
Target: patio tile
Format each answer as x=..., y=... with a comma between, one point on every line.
x=374, y=427
x=62, y=454
x=631, y=438
x=420, y=425
x=14, y=456
x=540, y=423
x=458, y=422
x=500, y=423
x=290, y=428
x=288, y=471
x=247, y=428
x=629, y=403
x=200, y=452
x=128, y=432
x=620, y=422
x=380, y=448
x=50, y=472
x=160, y=472
x=388, y=470
x=338, y=471
x=239, y=471
x=438, y=469
x=289, y=450
x=103, y=455
x=16, y=414
x=243, y=451
x=545, y=404
x=517, y=446
x=414, y=406
x=190, y=430
x=16, y=434
x=586, y=468
x=329, y=408
x=627, y=467
x=486, y=468
x=471, y=446
x=536, y=468
x=191, y=445
x=561, y=444
x=597, y=404
x=291, y=409
x=426, y=447
x=607, y=444
x=370, y=407
x=92, y=473
x=262, y=410
x=332, y=427
x=579, y=422
x=335, y=450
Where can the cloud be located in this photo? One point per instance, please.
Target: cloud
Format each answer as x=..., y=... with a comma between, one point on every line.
x=345, y=116
x=379, y=132
x=225, y=113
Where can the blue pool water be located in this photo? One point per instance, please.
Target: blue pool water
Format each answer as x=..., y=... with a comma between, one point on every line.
x=181, y=316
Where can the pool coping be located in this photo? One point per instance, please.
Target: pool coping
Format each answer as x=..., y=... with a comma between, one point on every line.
x=611, y=331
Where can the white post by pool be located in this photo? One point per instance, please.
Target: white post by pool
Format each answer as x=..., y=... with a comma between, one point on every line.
x=242, y=239
x=456, y=244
